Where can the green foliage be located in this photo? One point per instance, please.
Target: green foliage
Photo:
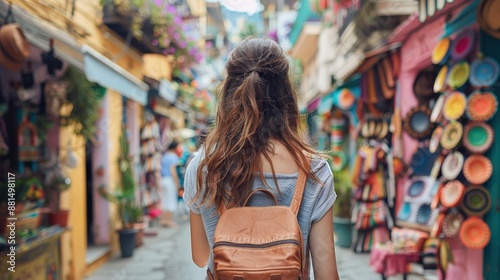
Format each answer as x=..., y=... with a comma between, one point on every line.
x=84, y=101
x=249, y=30
x=342, y=206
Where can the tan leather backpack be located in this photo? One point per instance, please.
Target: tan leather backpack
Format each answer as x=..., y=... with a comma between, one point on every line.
x=260, y=242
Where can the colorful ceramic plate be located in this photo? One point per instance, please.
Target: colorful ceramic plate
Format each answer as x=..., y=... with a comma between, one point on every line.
x=454, y=106
x=441, y=51
x=440, y=82
x=445, y=255
x=346, y=99
x=338, y=160
x=452, y=165
x=437, y=109
x=423, y=214
x=477, y=201
x=482, y=106
x=417, y=122
x=462, y=45
x=478, y=137
x=405, y=211
x=435, y=138
x=437, y=226
x=416, y=189
x=477, y=169
x=484, y=72
x=452, y=193
x=436, y=167
x=458, y=75
x=452, y=135
x=475, y=233
x=452, y=223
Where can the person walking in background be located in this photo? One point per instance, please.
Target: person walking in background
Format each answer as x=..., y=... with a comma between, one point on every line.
x=256, y=144
x=170, y=185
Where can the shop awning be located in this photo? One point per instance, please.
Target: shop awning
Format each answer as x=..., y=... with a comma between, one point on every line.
x=108, y=74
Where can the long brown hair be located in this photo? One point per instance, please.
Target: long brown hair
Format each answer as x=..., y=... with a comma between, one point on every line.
x=257, y=103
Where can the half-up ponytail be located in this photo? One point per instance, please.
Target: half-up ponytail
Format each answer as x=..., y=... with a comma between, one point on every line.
x=256, y=104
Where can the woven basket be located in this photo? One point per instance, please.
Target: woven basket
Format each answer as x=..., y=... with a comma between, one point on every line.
x=25, y=220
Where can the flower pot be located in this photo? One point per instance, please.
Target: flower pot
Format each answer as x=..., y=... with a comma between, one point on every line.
x=343, y=231
x=127, y=241
x=59, y=218
x=139, y=237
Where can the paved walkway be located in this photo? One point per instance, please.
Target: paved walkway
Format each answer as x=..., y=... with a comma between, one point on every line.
x=168, y=257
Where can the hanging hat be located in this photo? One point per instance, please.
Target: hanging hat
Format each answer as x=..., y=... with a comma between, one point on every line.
x=484, y=72
x=436, y=167
x=463, y=45
x=478, y=137
x=452, y=194
x=417, y=122
x=435, y=138
x=423, y=87
x=475, y=233
x=441, y=51
x=459, y=75
x=452, y=134
x=482, y=106
x=445, y=255
x=437, y=226
x=338, y=160
x=452, y=223
x=488, y=18
x=477, y=169
x=423, y=214
x=454, y=106
x=346, y=99
x=14, y=47
x=452, y=165
x=437, y=109
x=441, y=78
x=477, y=201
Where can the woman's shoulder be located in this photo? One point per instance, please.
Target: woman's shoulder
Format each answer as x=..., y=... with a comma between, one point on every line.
x=321, y=167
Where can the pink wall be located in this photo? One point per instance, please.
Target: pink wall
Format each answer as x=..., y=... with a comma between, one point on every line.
x=415, y=55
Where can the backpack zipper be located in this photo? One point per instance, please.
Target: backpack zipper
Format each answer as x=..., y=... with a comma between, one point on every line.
x=265, y=245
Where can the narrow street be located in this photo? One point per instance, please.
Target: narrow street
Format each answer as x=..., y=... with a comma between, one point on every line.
x=168, y=257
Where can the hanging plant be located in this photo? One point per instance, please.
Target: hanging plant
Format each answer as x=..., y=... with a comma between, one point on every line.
x=83, y=102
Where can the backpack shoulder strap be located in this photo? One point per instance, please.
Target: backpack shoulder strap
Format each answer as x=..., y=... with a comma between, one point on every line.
x=299, y=189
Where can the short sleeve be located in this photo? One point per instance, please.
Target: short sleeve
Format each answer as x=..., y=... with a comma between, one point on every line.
x=326, y=195
x=190, y=185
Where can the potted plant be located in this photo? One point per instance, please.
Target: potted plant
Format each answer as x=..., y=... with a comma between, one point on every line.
x=342, y=209
x=137, y=222
x=124, y=198
x=57, y=184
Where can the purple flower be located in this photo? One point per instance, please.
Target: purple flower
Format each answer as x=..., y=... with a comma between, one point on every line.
x=158, y=3
x=182, y=44
x=155, y=42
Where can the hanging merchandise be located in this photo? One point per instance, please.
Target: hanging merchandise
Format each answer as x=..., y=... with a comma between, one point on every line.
x=454, y=106
x=55, y=96
x=458, y=75
x=484, y=72
x=452, y=135
x=482, y=106
x=475, y=233
x=14, y=47
x=463, y=44
x=52, y=62
x=27, y=141
x=437, y=109
x=488, y=18
x=452, y=194
x=441, y=78
x=452, y=222
x=445, y=255
x=417, y=122
x=422, y=161
x=478, y=137
x=435, y=139
x=477, y=201
x=423, y=87
x=452, y=165
x=441, y=51
x=477, y=169
x=346, y=99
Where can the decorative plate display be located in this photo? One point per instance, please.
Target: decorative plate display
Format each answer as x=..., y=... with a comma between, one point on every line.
x=452, y=135
x=484, y=72
x=416, y=189
x=346, y=99
x=477, y=201
x=440, y=82
x=475, y=233
x=445, y=255
x=482, y=106
x=417, y=122
x=423, y=214
x=477, y=169
x=452, y=165
x=463, y=45
x=437, y=109
x=438, y=226
x=454, y=106
x=422, y=161
x=405, y=211
x=436, y=194
x=452, y=223
x=435, y=138
x=459, y=74
x=441, y=51
x=478, y=137
x=423, y=87
x=452, y=194
x=338, y=160
x=436, y=167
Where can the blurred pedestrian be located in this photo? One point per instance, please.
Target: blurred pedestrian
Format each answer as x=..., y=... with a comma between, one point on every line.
x=170, y=185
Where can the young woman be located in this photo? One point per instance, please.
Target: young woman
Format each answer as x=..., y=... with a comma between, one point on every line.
x=169, y=185
x=255, y=143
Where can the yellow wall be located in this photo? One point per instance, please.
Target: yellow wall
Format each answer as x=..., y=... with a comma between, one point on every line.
x=87, y=20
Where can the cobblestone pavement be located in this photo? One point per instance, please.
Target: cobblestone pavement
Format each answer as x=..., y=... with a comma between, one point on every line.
x=168, y=257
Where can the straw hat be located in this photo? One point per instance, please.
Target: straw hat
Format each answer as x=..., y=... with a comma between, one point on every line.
x=487, y=17
x=14, y=47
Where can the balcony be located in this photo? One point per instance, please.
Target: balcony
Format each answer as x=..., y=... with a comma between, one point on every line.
x=120, y=22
